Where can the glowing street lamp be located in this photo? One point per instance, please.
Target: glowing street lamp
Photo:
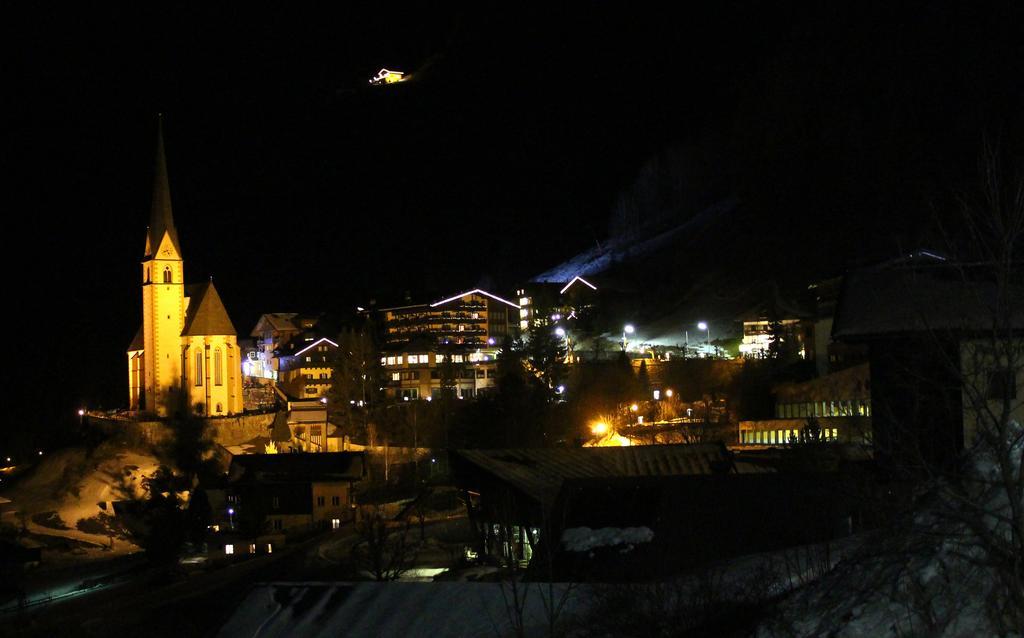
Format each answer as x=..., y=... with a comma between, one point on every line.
x=231, y=517
x=627, y=329
x=704, y=326
x=599, y=428
x=668, y=393
x=560, y=331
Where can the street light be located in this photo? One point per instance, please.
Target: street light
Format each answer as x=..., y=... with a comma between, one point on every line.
x=704, y=326
x=627, y=329
x=599, y=428
x=231, y=517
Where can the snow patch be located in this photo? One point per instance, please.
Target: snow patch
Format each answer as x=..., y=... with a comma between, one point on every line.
x=584, y=539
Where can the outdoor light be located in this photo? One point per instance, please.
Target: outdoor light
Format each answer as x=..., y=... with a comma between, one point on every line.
x=626, y=330
x=634, y=407
x=599, y=428
x=405, y=398
x=490, y=341
x=668, y=393
x=40, y=452
x=703, y=325
x=560, y=331
x=430, y=398
x=323, y=400
x=231, y=511
x=81, y=413
x=560, y=389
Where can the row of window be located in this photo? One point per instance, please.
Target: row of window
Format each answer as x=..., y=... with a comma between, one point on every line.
x=853, y=407
x=230, y=548
x=321, y=500
x=218, y=367
x=783, y=437
x=413, y=359
x=415, y=375
x=411, y=394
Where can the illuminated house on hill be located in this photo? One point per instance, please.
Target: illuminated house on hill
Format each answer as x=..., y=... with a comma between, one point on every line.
x=468, y=327
x=385, y=76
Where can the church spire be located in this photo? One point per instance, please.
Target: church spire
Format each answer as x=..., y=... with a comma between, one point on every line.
x=161, y=221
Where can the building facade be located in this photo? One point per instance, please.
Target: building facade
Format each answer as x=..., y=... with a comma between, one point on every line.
x=453, y=341
x=185, y=356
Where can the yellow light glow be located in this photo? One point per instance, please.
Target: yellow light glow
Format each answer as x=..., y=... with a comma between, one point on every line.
x=599, y=428
x=668, y=393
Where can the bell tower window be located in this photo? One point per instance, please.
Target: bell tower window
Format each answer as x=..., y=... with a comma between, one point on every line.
x=167, y=274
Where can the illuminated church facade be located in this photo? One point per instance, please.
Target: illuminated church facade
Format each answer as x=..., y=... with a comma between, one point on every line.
x=185, y=356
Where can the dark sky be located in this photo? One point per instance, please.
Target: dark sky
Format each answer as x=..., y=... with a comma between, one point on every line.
x=298, y=187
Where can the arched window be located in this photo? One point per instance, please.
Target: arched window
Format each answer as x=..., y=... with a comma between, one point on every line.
x=167, y=274
x=218, y=367
x=220, y=408
x=199, y=367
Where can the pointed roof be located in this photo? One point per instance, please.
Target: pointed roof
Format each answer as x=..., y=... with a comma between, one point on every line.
x=160, y=218
x=206, y=313
x=138, y=343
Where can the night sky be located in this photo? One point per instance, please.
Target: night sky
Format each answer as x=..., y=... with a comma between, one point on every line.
x=298, y=187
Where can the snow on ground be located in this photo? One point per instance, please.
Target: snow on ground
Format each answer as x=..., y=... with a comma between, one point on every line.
x=584, y=539
x=933, y=579
x=68, y=493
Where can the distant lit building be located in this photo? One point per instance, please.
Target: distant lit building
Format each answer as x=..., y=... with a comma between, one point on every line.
x=386, y=76
x=306, y=365
x=839, y=403
x=454, y=340
x=759, y=333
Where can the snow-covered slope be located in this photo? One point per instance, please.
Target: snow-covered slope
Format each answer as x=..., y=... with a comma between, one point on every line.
x=69, y=492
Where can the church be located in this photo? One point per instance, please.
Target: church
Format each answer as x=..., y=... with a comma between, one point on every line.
x=185, y=356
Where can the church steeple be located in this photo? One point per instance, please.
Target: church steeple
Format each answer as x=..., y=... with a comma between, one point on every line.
x=161, y=221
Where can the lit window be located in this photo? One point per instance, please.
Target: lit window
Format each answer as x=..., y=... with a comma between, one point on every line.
x=167, y=274
x=218, y=367
x=395, y=376
x=438, y=358
x=391, y=361
x=270, y=548
x=199, y=367
x=335, y=523
x=229, y=549
x=252, y=548
x=308, y=359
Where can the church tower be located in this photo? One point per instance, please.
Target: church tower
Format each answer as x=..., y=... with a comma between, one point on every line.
x=163, y=303
x=185, y=357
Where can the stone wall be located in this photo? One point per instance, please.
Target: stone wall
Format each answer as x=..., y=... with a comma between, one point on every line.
x=228, y=430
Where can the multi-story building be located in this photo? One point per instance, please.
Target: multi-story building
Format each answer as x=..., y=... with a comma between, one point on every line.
x=452, y=341
x=292, y=492
x=296, y=352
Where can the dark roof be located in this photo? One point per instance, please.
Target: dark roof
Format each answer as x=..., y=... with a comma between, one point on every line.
x=138, y=343
x=292, y=468
x=206, y=312
x=160, y=218
x=540, y=472
x=898, y=300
